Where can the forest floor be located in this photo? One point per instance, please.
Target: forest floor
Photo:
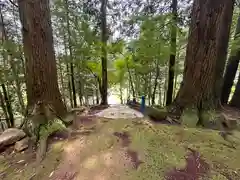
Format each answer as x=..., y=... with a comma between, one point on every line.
x=100, y=148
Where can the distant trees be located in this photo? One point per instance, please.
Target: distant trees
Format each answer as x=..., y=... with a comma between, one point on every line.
x=135, y=47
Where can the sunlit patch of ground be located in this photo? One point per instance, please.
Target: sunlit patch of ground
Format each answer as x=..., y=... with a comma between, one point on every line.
x=130, y=150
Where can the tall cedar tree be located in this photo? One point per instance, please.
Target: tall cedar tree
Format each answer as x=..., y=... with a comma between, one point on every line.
x=41, y=71
x=104, y=85
x=231, y=69
x=173, y=53
x=210, y=22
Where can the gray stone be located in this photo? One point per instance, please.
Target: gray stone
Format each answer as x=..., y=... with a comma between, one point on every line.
x=22, y=144
x=10, y=136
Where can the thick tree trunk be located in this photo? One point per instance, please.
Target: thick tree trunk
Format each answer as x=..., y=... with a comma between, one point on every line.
x=104, y=85
x=235, y=101
x=210, y=20
x=173, y=53
x=41, y=71
x=231, y=70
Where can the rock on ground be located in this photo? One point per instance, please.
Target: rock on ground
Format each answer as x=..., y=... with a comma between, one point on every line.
x=22, y=144
x=10, y=136
x=119, y=112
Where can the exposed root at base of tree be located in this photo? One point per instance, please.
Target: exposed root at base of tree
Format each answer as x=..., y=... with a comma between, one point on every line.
x=190, y=117
x=43, y=122
x=42, y=149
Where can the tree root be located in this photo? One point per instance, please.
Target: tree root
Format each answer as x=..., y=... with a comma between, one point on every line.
x=189, y=117
x=40, y=123
x=44, y=132
x=42, y=149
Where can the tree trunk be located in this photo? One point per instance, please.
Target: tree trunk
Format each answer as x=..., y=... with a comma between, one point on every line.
x=104, y=89
x=173, y=53
x=62, y=83
x=97, y=96
x=130, y=80
x=155, y=83
x=41, y=71
x=4, y=108
x=121, y=93
x=235, y=101
x=68, y=71
x=231, y=70
x=175, y=86
x=71, y=55
x=80, y=93
x=210, y=19
x=8, y=105
x=160, y=94
x=165, y=87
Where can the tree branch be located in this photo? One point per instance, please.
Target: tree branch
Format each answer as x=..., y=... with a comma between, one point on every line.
x=13, y=3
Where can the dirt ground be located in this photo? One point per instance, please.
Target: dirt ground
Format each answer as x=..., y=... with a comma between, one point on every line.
x=97, y=148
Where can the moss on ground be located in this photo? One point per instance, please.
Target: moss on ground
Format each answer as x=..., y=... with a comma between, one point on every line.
x=160, y=147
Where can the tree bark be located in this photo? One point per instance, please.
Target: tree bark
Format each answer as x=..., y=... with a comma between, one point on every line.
x=210, y=19
x=231, y=70
x=104, y=85
x=173, y=53
x=41, y=71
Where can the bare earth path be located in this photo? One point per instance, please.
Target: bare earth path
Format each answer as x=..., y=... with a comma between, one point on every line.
x=106, y=163
x=118, y=143
x=119, y=112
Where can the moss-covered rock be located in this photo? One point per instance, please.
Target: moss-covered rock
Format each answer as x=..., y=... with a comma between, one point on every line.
x=52, y=127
